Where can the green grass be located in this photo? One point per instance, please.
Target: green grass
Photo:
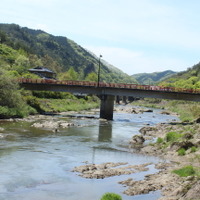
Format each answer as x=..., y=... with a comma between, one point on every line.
x=188, y=111
x=159, y=140
x=63, y=105
x=193, y=149
x=172, y=136
x=181, y=152
x=185, y=171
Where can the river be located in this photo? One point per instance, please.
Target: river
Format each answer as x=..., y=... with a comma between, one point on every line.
x=36, y=164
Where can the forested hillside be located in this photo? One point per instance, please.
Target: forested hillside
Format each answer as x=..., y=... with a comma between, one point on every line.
x=23, y=48
x=60, y=54
x=152, y=78
x=186, y=79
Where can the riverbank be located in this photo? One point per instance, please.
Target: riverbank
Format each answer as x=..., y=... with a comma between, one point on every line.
x=179, y=176
x=187, y=111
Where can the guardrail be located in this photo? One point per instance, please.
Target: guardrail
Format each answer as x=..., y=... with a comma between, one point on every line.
x=109, y=85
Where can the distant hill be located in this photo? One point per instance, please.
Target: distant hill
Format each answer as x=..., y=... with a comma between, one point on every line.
x=186, y=79
x=152, y=78
x=57, y=53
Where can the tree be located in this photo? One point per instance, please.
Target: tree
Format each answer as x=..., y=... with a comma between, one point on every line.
x=9, y=93
x=92, y=77
x=11, y=101
x=71, y=74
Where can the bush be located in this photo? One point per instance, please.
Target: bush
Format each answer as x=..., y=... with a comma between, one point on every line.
x=172, y=136
x=181, y=152
x=193, y=149
x=159, y=140
x=6, y=112
x=185, y=171
x=111, y=196
x=34, y=103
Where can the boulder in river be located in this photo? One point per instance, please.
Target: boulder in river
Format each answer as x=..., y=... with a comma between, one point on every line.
x=53, y=125
x=137, y=140
x=101, y=171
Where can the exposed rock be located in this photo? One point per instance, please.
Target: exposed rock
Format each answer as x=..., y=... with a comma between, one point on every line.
x=101, y=171
x=148, y=110
x=134, y=110
x=197, y=120
x=53, y=125
x=188, y=136
x=193, y=192
x=183, y=144
x=165, y=113
x=166, y=182
x=137, y=140
x=144, y=130
x=171, y=185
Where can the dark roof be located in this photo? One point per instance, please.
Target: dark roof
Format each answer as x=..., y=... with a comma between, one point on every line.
x=41, y=69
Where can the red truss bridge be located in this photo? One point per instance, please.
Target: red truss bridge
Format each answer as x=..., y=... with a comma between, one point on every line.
x=108, y=91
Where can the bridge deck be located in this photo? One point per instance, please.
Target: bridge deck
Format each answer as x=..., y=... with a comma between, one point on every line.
x=113, y=89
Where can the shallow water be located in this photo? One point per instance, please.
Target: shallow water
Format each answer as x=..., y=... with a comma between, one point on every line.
x=37, y=164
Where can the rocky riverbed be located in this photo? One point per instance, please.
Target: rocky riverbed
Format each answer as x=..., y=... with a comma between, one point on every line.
x=185, y=137
x=154, y=141
x=151, y=141
x=101, y=171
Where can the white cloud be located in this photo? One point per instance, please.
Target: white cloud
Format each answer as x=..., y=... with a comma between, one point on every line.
x=136, y=36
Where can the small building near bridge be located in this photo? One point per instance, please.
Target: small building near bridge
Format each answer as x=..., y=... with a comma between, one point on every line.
x=43, y=72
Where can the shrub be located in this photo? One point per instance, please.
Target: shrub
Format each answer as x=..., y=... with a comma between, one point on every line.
x=185, y=171
x=111, y=196
x=34, y=103
x=181, y=152
x=172, y=136
x=193, y=149
x=159, y=140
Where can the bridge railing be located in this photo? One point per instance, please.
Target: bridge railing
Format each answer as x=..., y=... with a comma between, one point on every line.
x=108, y=85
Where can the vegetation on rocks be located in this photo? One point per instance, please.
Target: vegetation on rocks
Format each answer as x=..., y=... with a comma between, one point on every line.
x=179, y=143
x=186, y=171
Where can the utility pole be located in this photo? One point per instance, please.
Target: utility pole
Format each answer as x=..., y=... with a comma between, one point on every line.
x=99, y=70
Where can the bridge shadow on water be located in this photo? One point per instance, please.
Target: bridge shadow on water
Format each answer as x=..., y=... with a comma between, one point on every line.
x=105, y=131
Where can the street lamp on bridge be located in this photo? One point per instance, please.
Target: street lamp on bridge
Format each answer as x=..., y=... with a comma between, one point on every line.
x=99, y=70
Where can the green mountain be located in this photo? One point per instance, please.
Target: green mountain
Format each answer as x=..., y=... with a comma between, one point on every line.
x=186, y=79
x=152, y=78
x=60, y=54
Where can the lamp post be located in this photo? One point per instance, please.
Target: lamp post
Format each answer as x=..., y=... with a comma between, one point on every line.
x=99, y=70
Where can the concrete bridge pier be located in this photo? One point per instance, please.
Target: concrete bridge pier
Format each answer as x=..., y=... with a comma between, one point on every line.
x=124, y=99
x=117, y=99
x=107, y=105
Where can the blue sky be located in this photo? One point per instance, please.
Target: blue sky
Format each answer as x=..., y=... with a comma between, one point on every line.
x=134, y=35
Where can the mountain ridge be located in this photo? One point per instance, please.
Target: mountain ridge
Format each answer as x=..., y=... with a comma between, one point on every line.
x=59, y=53
x=153, y=78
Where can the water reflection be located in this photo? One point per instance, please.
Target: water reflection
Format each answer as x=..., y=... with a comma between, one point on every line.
x=105, y=131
